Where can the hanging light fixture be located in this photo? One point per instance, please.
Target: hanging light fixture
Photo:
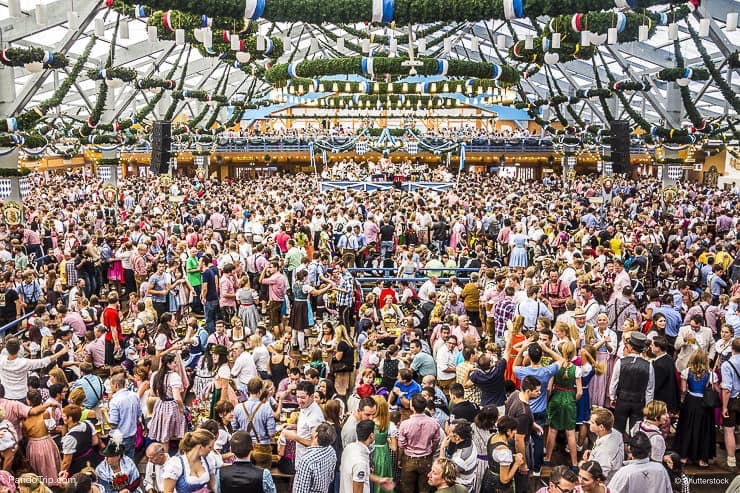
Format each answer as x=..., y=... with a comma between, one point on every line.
x=99, y=27
x=501, y=41
x=421, y=47
x=207, y=37
x=180, y=36
x=73, y=20
x=611, y=35
x=704, y=27
x=673, y=31
x=474, y=46
x=365, y=46
x=555, y=43
x=123, y=30
x=340, y=43
x=42, y=15
x=261, y=43
x=152, y=34
x=642, y=32
x=529, y=42
x=447, y=45
x=14, y=8
x=394, y=47
x=731, y=22
x=235, y=42
x=585, y=38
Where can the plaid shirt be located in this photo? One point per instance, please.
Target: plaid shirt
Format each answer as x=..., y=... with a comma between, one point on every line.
x=502, y=312
x=71, y=271
x=346, y=288
x=314, y=472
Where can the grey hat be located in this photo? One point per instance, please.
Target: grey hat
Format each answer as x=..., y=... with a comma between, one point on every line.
x=638, y=341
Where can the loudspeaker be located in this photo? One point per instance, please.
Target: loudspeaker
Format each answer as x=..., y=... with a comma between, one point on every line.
x=161, y=143
x=620, y=146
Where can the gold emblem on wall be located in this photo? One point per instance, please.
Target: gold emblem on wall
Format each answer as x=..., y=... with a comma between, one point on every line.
x=110, y=193
x=669, y=194
x=12, y=213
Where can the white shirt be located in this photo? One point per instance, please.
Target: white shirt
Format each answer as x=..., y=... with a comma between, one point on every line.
x=425, y=290
x=609, y=452
x=355, y=468
x=14, y=374
x=244, y=368
x=308, y=419
x=445, y=359
x=261, y=357
x=153, y=472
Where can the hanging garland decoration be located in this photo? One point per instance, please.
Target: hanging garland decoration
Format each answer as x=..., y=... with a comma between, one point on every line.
x=401, y=11
x=23, y=140
x=556, y=107
x=469, y=86
x=214, y=115
x=540, y=52
x=722, y=84
x=568, y=101
x=734, y=60
x=602, y=96
x=66, y=148
x=674, y=74
x=122, y=73
x=698, y=122
x=25, y=121
x=671, y=135
x=147, y=83
x=279, y=75
x=97, y=112
x=167, y=22
x=18, y=57
x=173, y=104
x=105, y=139
x=627, y=23
x=203, y=96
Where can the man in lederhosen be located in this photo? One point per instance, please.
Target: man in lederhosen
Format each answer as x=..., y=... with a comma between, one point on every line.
x=633, y=383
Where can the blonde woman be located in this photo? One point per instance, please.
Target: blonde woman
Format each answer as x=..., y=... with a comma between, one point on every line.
x=561, y=408
x=695, y=437
x=189, y=470
x=386, y=441
x=343, y=362
x=589, y=368
x=654, y=416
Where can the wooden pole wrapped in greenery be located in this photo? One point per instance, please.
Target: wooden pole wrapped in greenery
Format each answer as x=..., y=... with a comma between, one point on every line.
x=673, y=74
x=122, y=73
x=17, y=57
x=28, y=140
x=400, y=11
x=279, y=75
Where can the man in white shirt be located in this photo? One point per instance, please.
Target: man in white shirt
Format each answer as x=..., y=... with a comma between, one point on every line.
x=14, y=370
x=309, y=418
x=426, y=289
x=354, y=470
x=260, y=356
x=608, y=449
x=244, y=368
x=446, y=363
x=156, y=456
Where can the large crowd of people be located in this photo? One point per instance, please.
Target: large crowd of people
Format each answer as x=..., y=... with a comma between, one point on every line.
x=195, y=336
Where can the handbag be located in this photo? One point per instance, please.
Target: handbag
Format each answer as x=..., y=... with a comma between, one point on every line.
x=711, y=399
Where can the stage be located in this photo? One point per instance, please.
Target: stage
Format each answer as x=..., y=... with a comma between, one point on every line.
x=385, y=186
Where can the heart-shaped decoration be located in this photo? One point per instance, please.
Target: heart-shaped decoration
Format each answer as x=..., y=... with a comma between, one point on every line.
x=198, y=34
x=598, y=39
x=552, y=58
x=683, y=82
x=243, y=56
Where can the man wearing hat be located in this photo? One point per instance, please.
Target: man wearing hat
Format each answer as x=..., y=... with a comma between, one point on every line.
x=117, y=472
x=633, y=382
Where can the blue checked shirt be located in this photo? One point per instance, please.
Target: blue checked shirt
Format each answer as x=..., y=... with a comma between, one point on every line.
x=314, y=471
x=346, y=287
x=263, y=423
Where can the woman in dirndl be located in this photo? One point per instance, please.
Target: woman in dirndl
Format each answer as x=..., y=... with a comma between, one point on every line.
x=41, y=450
x=168, y=420
x=247, y=299
x=561, y=408
x=301, y=313
x=604, y=341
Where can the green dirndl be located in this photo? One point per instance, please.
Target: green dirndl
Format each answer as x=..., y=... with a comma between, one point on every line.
x=561, y=409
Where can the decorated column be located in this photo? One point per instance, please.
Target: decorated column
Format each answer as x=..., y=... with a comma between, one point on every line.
x=11, y=186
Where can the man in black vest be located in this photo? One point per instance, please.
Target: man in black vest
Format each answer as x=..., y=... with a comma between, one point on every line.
x=633, y=383
x=242, y=475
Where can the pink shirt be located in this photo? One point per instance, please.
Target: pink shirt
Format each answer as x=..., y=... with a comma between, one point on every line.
x=15, y=412
x=371, y=232
x=226, y=287
x=276, y=286
x=419, y=435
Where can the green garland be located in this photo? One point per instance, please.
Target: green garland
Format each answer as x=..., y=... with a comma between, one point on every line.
x=152, y=83
x=29, y=140
x=602, y=97
x=568, y=51
x=278, y=74
x=204, y=96
x=734, y=60
x=402, y=38
x=97, y=111
x=28, y=119
x=17, y=57
x=8, y=172
x=722, y=84
x=122, y=73
x=698, y=122
x=220, y=47
x=673, y=74
x=405, y=11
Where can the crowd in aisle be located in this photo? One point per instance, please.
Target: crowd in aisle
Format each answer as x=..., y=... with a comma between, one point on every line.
x=502, y=336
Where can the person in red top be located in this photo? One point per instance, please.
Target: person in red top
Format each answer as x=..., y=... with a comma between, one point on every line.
x=385, y=292
x=114, y=336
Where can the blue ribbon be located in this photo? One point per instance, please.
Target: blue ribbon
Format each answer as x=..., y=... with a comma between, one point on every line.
x=688, y=73
x=462, y=156
x=203, y=21
x=363, y=64
x=237, y=64
x=367, y=87
x=269, y=47
x=425, y=87
x=621, y=21
x=258, y=10
x=315, y=84
x=442, y=66
x=545, y=44
x=51, y=57
x=12, y=125
x=291, y=71
x=519, y=8
x=388, y=8
x=663, y=19
x=140, y=11
x=496, y=71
